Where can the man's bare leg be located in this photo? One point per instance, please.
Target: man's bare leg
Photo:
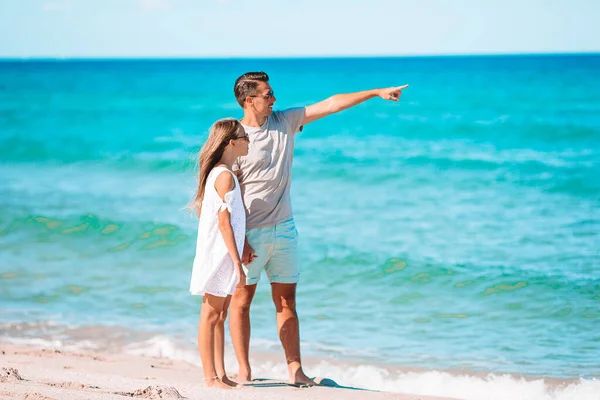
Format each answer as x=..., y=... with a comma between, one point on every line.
x=284, y=297
x=239, y=327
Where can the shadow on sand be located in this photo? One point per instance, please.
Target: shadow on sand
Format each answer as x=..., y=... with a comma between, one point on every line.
x=323, y=382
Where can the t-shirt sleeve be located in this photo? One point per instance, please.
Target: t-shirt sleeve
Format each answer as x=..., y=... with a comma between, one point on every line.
x=294, y=117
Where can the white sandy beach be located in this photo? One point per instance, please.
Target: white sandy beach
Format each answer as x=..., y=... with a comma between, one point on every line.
x=28, y=372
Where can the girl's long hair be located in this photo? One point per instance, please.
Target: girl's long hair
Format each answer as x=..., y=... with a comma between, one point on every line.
x=220, y=134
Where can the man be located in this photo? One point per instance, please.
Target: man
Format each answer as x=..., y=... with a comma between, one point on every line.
x=271, y=236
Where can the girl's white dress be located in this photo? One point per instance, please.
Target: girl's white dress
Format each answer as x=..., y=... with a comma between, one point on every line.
x=213, y=270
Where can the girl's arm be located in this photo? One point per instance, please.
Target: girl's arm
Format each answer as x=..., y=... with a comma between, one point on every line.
x=225, y=184
x=248, y=255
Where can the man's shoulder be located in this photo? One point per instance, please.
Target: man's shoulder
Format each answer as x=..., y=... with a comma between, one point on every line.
x=288, y=111
x=279, y=114
x=287, y=116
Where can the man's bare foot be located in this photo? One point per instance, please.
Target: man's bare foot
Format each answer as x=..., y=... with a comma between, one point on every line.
x=216, y=383
x=300, y=380
x=229, y=382
x=244, y=376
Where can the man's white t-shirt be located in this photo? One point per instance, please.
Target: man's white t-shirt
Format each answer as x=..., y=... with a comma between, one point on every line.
x=265, y=174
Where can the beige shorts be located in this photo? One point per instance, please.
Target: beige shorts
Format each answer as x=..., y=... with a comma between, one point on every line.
x=276, y=249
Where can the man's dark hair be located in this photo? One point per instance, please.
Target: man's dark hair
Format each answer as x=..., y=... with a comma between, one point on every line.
x=247, y=85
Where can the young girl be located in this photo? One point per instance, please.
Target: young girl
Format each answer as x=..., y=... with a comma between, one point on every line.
x=221, y=232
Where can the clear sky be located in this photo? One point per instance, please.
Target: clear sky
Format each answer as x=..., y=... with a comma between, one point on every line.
x=287, y=28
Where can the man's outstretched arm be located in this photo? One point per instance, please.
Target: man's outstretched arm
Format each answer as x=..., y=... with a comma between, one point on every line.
x=341, y=102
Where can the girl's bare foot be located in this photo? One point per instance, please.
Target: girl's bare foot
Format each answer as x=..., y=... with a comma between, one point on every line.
x=229, y=382
x=216, y=383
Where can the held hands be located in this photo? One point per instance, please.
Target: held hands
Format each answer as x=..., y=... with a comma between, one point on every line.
x=392, y=93
x=248, y=255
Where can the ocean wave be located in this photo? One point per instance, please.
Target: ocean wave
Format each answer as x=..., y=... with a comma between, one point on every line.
x=460, y=154
x=177, y=152
x=100, y=235
x=455, y=384
x=460, y=385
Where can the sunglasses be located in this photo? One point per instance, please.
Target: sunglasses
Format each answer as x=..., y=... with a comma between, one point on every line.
x=245, y=137
x=270, y=95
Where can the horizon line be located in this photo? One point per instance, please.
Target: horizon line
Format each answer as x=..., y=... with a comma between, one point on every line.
x=290, y=57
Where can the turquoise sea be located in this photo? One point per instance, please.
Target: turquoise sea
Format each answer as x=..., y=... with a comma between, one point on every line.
x=456, y=231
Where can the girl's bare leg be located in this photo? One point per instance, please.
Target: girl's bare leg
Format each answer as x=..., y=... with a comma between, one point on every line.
x=212, y=306
x=220, y=346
